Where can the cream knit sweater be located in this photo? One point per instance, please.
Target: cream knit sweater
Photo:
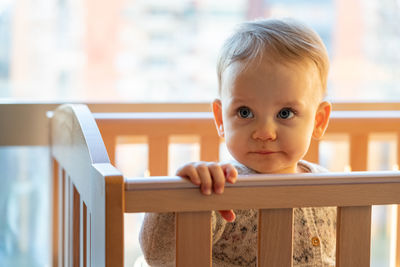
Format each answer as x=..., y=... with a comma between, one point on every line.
x=235, y=244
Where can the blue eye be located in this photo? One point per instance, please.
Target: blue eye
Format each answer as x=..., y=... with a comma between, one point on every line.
x=245, y=113
x=285, y=113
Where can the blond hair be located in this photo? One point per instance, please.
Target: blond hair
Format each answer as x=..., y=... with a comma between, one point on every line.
x=280, y=39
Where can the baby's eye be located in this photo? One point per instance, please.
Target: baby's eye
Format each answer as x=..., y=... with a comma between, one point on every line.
x=285, y=113
x=245, y=113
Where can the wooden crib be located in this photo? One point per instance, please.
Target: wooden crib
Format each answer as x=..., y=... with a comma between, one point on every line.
x=91, y=195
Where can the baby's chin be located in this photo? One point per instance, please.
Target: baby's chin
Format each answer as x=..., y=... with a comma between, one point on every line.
x=264, y=169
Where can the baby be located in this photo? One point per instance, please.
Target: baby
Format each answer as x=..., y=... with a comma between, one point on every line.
x=272, y=81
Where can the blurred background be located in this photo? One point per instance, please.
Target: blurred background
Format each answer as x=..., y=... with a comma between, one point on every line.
x=144, y=51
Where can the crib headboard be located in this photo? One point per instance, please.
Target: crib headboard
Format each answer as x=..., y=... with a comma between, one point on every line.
x=85, y=184
x=91, y=195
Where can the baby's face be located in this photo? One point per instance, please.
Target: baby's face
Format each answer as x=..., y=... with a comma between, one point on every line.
x=268, y=114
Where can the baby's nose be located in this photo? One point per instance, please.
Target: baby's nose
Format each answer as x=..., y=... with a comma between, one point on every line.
x=265, y=131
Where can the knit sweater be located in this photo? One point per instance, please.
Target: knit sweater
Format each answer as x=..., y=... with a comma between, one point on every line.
x=235, y=244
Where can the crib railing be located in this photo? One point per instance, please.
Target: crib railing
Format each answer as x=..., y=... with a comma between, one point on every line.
x=91, y=196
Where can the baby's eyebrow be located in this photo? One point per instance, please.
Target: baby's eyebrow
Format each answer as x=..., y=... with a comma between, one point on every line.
x=294, y=103
x=240, y=101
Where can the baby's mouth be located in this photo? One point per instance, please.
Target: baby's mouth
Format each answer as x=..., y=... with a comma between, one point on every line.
x=262, y=152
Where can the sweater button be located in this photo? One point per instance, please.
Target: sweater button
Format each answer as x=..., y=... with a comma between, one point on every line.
x=315, y=241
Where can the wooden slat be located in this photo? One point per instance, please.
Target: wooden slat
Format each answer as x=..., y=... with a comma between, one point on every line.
x=209, y=148
x=84, y=238
x=158, y=155
x=313, y=152
x=358, y=152
x=90, y=240
x=62, y=211
x=70, y=222
x=353, y=236
x=67, y=222
x=275, y=231
x=193, y=246
x=114, y=208
x=55, y=214
x=76, y=211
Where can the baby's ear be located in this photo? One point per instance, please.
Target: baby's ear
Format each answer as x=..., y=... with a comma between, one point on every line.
x=321, y=119
x=217, y=110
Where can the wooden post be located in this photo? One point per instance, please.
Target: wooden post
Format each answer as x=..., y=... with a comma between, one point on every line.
x=358, y=152
x=193, y=239
x=114, y=213
x=158, y=155
x=55, y=215
x=275, y=237
x=353, y=236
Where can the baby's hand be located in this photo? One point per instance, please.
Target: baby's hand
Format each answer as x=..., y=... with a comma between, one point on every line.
x=210, y=176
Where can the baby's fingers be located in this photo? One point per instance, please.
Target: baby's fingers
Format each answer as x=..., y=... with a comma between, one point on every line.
x=218, y=177
x=190, y=172
x=205, y=178
x=228, y=215
x=230, y=172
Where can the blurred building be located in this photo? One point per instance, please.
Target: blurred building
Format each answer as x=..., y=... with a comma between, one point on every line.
x=136, y=50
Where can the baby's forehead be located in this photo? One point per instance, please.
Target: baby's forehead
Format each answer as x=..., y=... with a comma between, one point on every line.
x=247, y=71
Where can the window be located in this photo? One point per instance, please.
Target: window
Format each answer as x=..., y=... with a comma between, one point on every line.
x=166, y=50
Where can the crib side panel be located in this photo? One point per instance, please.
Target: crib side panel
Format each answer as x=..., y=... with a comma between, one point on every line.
x=89, y=235
x=354, y=193
x=90, y=193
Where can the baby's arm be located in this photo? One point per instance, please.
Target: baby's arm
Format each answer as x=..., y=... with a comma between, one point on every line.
x=210, y=176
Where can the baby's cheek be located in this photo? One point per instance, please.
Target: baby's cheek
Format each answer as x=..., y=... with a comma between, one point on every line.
x=236, y=145
x=296, y=146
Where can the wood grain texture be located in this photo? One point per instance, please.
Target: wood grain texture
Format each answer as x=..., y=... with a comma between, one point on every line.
x=353, y=236
x=114, y=220
x=371, y=189
x=193, y=239
x=76, y=230
x=275, y=231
